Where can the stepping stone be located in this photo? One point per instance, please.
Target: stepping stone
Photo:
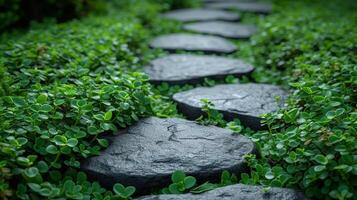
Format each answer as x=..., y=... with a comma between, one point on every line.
x=244, y=101
x=146, y=154
x=190, y=69
x=224, y=29
x=262, y=8
x=190, y=15
x=193, y=42
x=235, y=192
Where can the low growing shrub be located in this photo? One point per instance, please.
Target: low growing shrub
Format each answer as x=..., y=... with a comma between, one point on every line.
x=310, y=145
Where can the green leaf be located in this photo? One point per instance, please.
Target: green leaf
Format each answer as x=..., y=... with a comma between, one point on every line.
x=42, y=98
x=60, y=140
x=103, y=142
x=42, y=166
x=18, y=101
x=108, y=116
x=118, y=188
x=31, y=172
x=189, y=182
x=319, y=168
x=174, y=189
x=52, y=149
x=204, y=187
x=34, y=187
x=321, y=159
x=128, y=191
x=269, y=175
x=46, y=108
x=72, y=142
x=178, y=176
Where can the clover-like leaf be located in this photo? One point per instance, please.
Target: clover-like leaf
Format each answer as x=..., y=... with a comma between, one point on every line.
x=178, y=176
x=189, y=182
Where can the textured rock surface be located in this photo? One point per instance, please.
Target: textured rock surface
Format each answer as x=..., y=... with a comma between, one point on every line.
x=146, y=154
x=186, y=68
x=235, y=192
x=193, y=42
x=263, y=8
x=224, y=29
x=190, y=15
x=245, y=101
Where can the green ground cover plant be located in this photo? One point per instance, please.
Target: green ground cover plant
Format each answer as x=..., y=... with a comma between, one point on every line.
x=311, y=144
x=63, y=87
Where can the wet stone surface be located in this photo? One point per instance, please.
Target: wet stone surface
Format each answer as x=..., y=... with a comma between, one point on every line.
x=224, y=29
x=193, y=42
x=261, y=8
x=186, y=68
x=192, y=15
x=147, y=153
x=235, y=192
x=244, y=101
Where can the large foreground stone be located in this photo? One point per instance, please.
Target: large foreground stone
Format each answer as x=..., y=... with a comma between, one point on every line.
x=244, y=101
x=193, y=42
x=190, y=15
x=186, y=68
x=224, y=29
x=235, y=192
x=262, y=8
x=146, y=154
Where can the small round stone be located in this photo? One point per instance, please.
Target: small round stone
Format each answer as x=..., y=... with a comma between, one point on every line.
x=193, y=42
x=262, y=8
x=244, y=101
x=224, y=29
x=190, y=15
x=147, y=153
x=190, y=69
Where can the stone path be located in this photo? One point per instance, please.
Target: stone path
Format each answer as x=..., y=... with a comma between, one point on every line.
x=260, y=8
x=146, y=154
x=235, y=192
x=224, y=29
x=186, y=68
x=190, y=15
x=193, y=42
x=244, y=101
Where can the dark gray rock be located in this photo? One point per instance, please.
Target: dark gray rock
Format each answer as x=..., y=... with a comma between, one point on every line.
x=244, y=101
x=146, y=154
x=186, y=68
x=190, y=15
x=224, y=29
x=235, y=192
x=262, y=8
x=193, y=42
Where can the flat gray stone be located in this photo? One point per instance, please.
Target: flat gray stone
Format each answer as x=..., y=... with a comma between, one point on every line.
x=262, y=8
x=146, y=154
x=244, y=101
x=193, y=42
x=224, y=29
x=190, y=15
x=190, y=69
x=235, y=192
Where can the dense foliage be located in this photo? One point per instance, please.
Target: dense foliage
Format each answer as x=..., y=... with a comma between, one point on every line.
x=63, y=86
x=311, y=144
